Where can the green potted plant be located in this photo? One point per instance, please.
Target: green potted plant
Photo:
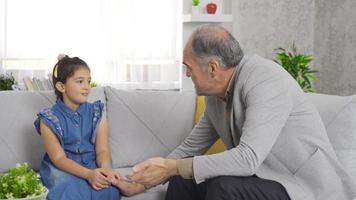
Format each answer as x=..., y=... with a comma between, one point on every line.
x=195, y=2
x=93, y=84
x=297, y=65
x=20, y=182
x=195, y=7
x=7, y=81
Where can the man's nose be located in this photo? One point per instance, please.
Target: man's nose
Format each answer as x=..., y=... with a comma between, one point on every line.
x=188, y=73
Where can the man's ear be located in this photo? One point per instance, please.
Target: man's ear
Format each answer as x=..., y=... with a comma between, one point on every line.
x=60, y=86
x=213, y=67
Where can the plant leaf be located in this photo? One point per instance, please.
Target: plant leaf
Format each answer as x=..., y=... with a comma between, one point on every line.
x=297, y=65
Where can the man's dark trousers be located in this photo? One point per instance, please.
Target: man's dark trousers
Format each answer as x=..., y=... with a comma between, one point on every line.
x=226, y=188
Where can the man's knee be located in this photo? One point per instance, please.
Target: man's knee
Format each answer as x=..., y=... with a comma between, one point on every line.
x=180, y=188
x=180, y=182
x=174, y=180
x=223, y=184
x=233, y=187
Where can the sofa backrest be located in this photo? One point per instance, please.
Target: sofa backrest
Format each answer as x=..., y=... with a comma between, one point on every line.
x=146, y=124
x=19, y=141
x=339, y=116
x=142, y=124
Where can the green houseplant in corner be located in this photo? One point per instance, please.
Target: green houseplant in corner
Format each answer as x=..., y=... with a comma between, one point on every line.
x=297, y=65
x=20, y=182
x=6, y=81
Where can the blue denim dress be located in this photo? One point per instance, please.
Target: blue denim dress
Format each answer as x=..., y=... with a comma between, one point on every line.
x=76, y=132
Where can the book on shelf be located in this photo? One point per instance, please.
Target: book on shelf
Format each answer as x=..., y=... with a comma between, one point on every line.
x=36, y=84
x=28, y=84
x=48, y=84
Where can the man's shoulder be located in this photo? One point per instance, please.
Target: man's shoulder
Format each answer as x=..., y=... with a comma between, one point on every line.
x=258, y=70
x=260, y=66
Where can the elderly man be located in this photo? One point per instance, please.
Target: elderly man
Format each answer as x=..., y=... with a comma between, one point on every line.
x=277, y=144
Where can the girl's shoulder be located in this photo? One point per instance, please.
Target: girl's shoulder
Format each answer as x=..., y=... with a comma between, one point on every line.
x=98, y=109
x=48, y=112
x=98, y=102
x=96, y=106
x=49, y=117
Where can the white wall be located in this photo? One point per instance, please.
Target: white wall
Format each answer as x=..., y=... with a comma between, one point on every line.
x=262, y=26
x=323, y=28
x=335, y=46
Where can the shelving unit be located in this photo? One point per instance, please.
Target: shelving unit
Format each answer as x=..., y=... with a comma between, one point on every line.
x=207, y=18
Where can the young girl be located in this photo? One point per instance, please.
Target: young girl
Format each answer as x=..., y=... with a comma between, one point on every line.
x=77, y=164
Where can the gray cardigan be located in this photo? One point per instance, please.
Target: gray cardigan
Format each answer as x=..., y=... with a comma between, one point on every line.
x=282, y=136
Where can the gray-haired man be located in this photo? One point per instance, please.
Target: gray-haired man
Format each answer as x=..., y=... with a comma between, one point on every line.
x=277, y=144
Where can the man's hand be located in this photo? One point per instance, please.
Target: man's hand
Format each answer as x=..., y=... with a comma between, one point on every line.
x=154, y=171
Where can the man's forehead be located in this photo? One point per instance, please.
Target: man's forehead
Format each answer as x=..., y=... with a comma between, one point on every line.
x=187, y=51
x=184, y=54
x=186, y=57
x=188, y=46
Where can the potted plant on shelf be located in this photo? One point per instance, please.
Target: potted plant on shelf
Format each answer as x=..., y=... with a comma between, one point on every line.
x=7, y=81
x=20, y=182
x=298, y=66
x=195, y=7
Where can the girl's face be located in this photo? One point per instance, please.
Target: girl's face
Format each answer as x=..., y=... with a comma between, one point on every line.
x=77, y=88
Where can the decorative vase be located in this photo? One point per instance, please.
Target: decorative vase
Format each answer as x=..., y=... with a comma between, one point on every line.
x=195, y=10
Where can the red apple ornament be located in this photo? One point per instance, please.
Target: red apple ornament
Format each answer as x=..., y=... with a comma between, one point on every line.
x=211, y=8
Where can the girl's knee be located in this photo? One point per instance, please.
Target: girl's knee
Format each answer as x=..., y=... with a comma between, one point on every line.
x=111, y=193
x=61, y=177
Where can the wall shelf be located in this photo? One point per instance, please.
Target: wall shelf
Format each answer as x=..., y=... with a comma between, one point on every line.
x=207, y=18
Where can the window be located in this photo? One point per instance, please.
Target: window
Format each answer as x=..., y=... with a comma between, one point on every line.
x=132, y=42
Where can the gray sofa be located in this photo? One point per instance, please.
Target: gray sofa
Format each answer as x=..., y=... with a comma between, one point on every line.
x=146, y=124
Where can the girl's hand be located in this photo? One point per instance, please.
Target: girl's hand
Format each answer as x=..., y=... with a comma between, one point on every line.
x=111, y=175
x=128, y=188
x=98, y=178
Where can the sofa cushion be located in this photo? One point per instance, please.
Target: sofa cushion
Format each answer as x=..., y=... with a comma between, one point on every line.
x=146, y=124
x=19, y=141
x=339, y=116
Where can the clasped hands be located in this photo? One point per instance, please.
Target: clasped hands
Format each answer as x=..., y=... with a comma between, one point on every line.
x=153, y=171
x=145, y=175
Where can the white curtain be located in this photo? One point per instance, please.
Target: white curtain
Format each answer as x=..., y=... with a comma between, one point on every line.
x=132, y=42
